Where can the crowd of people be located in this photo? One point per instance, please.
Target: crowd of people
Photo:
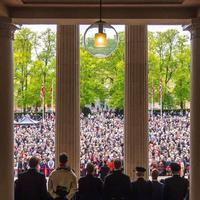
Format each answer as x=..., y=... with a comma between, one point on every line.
x=101, y=139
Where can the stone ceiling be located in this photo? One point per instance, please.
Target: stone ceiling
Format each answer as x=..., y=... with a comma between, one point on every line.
x=93, y=2
x=114, y=11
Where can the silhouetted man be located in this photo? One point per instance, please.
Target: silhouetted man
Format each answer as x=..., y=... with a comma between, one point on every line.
x=157, y=187
x=31, y=185
x=141, y=189
x=117, y=184
x=175, y=187
x=90, y=187
x=62, y=182
x=104, y=171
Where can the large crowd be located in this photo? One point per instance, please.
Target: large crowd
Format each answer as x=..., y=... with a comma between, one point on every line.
x=102, y=140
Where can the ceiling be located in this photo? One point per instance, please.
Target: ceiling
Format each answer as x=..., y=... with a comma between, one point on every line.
x=92, y=2
x=105, y=1
x=115, y=11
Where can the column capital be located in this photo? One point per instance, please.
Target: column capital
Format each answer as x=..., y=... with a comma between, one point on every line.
x=7, y=29
x=194, y=28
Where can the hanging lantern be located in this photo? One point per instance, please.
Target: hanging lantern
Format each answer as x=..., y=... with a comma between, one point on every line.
x=100, y=38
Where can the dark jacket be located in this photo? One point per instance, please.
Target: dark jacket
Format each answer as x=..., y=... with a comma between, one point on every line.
x=31, y=185
x=141, y=189
x=104, y=172
x=117, y=186
x=175, y=188
x=157, y=190
x=90, y=188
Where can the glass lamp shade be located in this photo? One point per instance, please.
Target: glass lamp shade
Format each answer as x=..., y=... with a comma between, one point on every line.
x=100, y=39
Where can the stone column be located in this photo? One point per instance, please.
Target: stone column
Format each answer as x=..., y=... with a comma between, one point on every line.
x=6, y=110
x=136, y=95
x=67, y=95
x=195, y=110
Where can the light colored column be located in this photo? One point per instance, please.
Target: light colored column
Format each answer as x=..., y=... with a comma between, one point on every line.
x=67, y=95
x=195, y=110
x=6, y=110
x=136, y=95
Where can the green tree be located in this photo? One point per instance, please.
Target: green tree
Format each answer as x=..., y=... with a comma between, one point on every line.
x=181, y=76
x=45, y=64
x=23, y=48
x=166, y=52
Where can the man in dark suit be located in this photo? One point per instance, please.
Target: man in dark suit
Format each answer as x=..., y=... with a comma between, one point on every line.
x=31, y=185
x=90, y=187
x=117, y=184
x=104, y=171
x=141, y=189
x=175, y=187
x=157, y=187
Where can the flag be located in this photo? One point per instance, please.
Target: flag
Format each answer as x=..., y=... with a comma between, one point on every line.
x=152, y=90
x=42, y=91
x=51, y=91
x=160, y=88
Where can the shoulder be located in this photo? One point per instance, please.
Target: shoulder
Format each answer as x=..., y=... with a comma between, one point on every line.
x=72, y=174
x=168, y=180
x=82, y=179
x=157, y=184
x=21, y=175
x=133, y=183
x=109, y=177
x=185, y=180
x=98, y=180
x=126, y=177
x=53, y=174
x=41, y=175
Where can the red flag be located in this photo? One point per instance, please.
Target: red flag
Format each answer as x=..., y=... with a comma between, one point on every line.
x=152, y=90
x=42, y=91
x=51, y=91
x=160, y=88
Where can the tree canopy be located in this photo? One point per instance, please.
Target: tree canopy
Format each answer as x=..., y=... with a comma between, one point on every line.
x=101, y=79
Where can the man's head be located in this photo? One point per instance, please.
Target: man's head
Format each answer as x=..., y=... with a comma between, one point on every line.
x=175, y=168
x=63, y=158
x=34, y=163
x=155, y=174
x=90, y=168
x=117, y=164
x=140, y=171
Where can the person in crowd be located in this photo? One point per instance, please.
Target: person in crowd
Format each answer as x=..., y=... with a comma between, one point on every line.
x=101, y=138
x=157, y=187
x=175, y=187
x=117, y=184
x=62, y=182
x=141, y=189
x=51, y=165
x=31, y=185
x=90, y=187
x=104, y=171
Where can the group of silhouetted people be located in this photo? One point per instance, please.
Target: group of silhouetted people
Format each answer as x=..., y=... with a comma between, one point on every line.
x=62, y=184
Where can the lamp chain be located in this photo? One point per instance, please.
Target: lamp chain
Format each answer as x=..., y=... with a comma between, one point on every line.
x=100, y=11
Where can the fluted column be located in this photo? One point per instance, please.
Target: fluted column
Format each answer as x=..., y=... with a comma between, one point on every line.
x=67, y=94
x=6, y=110
x=136, y=95
x=195, y=110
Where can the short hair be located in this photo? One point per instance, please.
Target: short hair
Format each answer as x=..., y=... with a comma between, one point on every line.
x=33, y=162
x=90, y=168
x=140, y=169
x=117, y=163
x=155, y=174
x=63, y=158
x=175, y=167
